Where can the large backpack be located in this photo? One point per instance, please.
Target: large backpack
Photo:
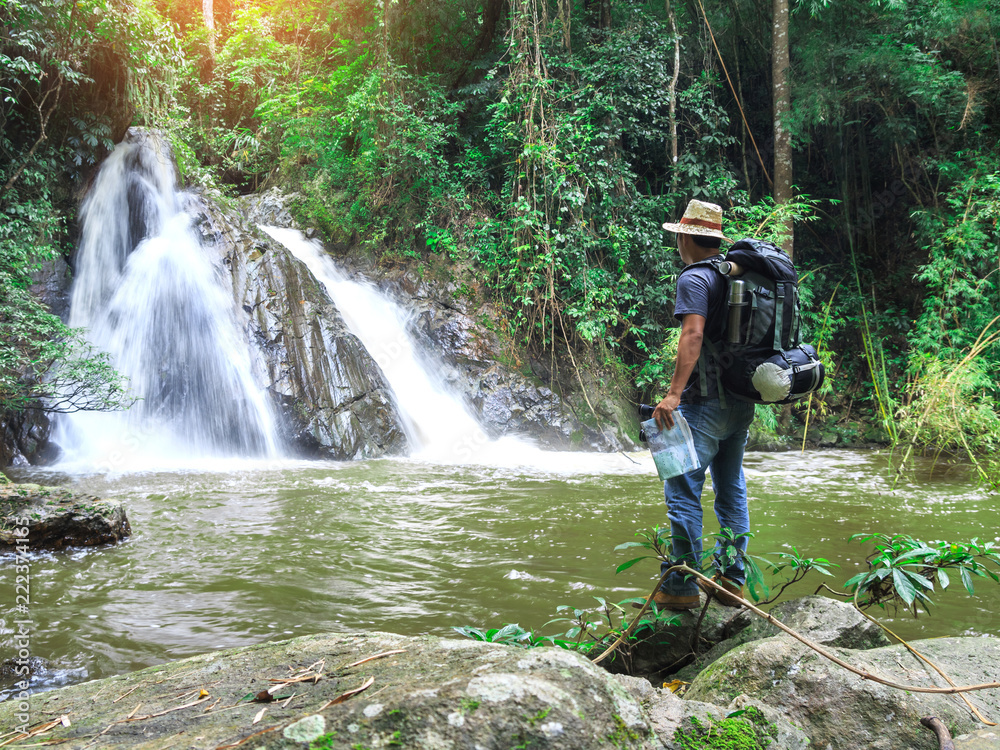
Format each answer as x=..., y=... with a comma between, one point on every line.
x=761, y=357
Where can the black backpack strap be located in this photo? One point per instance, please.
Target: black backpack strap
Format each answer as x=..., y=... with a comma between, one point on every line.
x=703, y=372
x=779, y=310
x=795, y=330
x=712, y=262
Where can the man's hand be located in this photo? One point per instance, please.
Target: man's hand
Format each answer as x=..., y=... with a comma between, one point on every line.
x=664, y=411
x=688, y=349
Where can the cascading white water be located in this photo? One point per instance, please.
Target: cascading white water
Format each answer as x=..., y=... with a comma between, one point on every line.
x=153, y=300
x=437, y=424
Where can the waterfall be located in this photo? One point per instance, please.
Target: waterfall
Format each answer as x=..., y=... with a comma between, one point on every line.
x=151, y=297
x=437, y=423
x=439, y=426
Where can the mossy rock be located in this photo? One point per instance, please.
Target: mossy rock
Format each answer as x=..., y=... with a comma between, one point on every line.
x=56, y=517
x=376, y=690
x=747, y=729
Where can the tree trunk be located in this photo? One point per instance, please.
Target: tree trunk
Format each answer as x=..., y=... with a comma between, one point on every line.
x=598, y=15
x=565, y=9
x=781, y=97
x=208, y=15
x=673, y=97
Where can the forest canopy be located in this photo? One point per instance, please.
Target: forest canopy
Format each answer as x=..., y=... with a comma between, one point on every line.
x=545, y=142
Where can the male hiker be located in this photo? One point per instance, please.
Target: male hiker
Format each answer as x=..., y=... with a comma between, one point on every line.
x=719, y=425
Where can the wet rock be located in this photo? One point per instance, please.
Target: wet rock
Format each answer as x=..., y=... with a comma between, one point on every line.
x=332, y=397
x=24, y=438
x=673, y=641
x=422, y=692
x=838, y=709
x=51, y=283
x=56, y=517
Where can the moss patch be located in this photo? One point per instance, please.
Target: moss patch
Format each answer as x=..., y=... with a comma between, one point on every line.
x=746, y=730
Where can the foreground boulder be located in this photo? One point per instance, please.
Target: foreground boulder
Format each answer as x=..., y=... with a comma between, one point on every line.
x=839, y=709
x=746, y=664
x=373, y=690
x=380, y=690
x=56, y=517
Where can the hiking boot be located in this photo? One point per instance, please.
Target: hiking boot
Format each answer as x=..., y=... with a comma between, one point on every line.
x=663, y=600
x=724, y=599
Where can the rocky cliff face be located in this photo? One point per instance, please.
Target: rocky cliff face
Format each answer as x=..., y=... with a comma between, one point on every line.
x=331, y=396
x=508, y=391
x=510, y=395
x=24, y=438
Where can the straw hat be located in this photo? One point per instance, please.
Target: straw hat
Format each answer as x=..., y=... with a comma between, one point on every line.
x=700, y=218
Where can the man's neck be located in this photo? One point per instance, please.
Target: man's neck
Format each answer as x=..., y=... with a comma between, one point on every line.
x=699, y=254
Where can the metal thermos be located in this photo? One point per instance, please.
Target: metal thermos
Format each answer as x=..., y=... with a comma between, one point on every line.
x=737, y=301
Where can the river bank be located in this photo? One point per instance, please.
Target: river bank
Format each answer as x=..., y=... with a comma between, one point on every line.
x=382, y=690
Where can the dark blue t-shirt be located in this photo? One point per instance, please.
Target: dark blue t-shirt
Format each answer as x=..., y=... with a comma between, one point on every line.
x=702, y=290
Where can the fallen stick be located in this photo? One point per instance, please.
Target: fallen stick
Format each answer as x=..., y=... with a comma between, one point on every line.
x=248, y=737
x=349, y=694
x=126, y=694
x=939, y=729
x=801, y=638
x=377, y=656
x=161, y=713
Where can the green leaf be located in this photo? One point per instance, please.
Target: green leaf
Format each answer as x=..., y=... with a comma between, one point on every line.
x=855, y=580
x=921, y=552
x=904, y=587
x=919, y=580
x=630, y=563
x=943, y=578
x=966, y=579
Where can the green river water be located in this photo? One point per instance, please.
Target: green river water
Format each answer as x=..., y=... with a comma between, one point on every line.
x=248, y=554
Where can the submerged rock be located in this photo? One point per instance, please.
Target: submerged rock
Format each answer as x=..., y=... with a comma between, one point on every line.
x=56, y=517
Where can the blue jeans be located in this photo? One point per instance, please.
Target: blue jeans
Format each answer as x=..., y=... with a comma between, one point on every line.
x=720, y=436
